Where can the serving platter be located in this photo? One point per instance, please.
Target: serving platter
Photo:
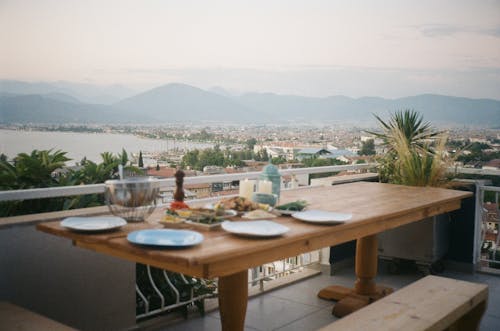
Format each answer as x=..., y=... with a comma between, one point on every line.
x=93, y=224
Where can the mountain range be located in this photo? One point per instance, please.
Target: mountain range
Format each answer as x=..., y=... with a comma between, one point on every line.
x=22, y=102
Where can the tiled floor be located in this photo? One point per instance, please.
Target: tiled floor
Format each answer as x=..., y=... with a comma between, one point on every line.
x=296, y=307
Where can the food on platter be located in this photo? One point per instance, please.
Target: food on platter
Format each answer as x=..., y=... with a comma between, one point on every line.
x=172, y=221
x=240, y=204
x=202, y=215
x=291, y=207
x=257, y=214
x=175, y=205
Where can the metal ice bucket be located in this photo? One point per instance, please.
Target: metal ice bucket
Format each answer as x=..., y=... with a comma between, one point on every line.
x=133, y=198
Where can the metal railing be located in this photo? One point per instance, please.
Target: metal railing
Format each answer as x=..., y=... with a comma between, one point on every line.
x=487, y=237
x=269, y=272
x=163, y=289
x=63, y=191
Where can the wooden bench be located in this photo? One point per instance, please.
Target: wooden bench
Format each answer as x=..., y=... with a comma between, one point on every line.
x=431, y=303
x=15, y=318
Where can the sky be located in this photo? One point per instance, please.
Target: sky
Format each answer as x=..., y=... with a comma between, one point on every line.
x=309, y=47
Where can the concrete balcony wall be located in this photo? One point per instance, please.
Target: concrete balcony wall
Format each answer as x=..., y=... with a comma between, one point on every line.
x=83, y=289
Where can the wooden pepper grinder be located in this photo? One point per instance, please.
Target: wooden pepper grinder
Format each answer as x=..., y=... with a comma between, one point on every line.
x=179, y=183
x=178, y=202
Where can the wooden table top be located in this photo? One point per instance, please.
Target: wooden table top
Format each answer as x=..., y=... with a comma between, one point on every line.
x=375, y=208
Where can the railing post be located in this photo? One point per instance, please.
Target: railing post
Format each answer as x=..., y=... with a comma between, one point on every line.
x=477, y=226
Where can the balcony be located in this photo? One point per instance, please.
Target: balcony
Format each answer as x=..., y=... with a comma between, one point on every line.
x=46, y=280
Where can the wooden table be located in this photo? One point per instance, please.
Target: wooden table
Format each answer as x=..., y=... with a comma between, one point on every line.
x=375, y=207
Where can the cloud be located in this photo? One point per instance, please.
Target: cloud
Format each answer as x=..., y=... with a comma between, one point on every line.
x=446, y=30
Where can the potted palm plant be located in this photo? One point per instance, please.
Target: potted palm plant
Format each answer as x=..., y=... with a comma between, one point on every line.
x=415, y=156
x=415, y=152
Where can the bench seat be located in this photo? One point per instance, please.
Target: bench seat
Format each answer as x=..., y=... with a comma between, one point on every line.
x=15, y=318
x=432, y=303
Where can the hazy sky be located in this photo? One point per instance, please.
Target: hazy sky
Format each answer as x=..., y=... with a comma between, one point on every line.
x=317, y=48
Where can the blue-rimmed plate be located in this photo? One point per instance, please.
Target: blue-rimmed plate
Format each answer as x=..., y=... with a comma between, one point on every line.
x=165, y=237
x=93, y=224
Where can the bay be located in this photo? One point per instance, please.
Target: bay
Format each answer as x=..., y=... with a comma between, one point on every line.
x=89, y=145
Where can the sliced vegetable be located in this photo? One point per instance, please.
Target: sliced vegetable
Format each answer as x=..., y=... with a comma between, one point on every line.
x=294, y=206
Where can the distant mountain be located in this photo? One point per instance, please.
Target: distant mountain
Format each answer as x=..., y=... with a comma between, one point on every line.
x=183, y=103
x=438, y=109
x=179, y=102
x=287, y=108
x=98, y=94
x=61, y=97
x=222, y=91
x=44, y=109
x=445, y=109
x=83, y=92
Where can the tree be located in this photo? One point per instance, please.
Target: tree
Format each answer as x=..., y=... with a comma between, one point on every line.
x=31, y=171
x=190, y=159
x=278, y=160
x=320, y=162
x=367, y=147
x=123, y=157
x=35, y=169
x=251, y=143
x=204, y=135
x=210, y=157
x=157, y=167
x=262, y=155
x=478, y=153
x=38, y=170
x=141, y=161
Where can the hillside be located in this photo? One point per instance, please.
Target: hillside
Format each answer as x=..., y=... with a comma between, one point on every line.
x=47, y=110
x=183, y=103
x=88, y=93
x=179, y=102
x=435, y=108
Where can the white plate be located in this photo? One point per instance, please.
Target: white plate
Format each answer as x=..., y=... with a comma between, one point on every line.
x=92, y=224
x=321, y=216
x=255, y=228
x=165, y=237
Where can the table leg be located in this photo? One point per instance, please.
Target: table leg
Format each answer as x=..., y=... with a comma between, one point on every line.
x=366, y=265
x=365, y=290
x=233, y=298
